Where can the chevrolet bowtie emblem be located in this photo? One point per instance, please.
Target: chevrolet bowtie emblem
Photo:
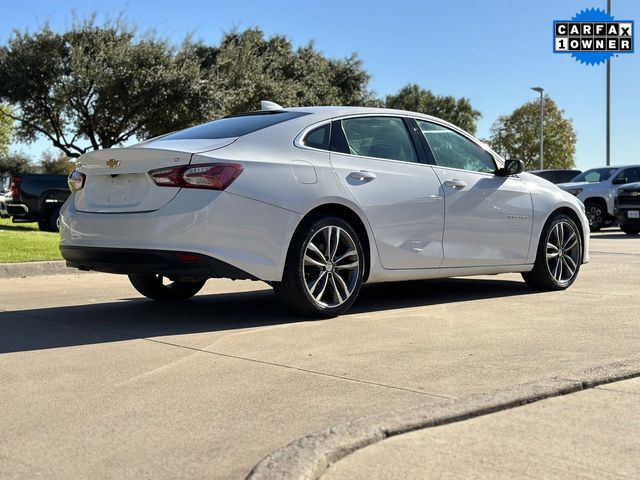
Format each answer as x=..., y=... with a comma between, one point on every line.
x=113, y=163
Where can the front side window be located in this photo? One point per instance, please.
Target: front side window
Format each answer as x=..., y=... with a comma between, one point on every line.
x=595, y=175
x=380, y=137
x=628, y=175
x=453, y=150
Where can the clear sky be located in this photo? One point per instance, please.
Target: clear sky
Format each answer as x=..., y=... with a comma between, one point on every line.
x=491, y=51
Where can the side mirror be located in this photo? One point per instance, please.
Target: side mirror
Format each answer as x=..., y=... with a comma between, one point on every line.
x=619, y=181
x=511, y=167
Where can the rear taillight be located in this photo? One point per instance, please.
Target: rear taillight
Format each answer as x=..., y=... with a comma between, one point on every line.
x=213, y=176
x=76, y=181
x=15, y=186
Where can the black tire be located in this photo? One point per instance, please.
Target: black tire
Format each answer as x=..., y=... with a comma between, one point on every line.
x=541, y=277
x=50, y=222
x=151, y=285
x=629, y=230
x=294, y=290
x=596, y=211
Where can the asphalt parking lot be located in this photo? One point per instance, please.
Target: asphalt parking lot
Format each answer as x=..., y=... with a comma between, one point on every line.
x=98, y=382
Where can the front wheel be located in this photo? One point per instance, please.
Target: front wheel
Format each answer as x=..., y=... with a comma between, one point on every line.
x=51, y=223
x=629, y=230
x=596, y=213
x=558, y=257
x=158, y=287
x=324, y=269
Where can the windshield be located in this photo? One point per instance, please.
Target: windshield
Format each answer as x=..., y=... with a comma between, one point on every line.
x=595, y=175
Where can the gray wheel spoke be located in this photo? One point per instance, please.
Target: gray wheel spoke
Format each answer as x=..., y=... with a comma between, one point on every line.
x=312, y=246
x=567, y=266
x=312, y=288
x=348, y=266
x=310, y=261
x=552, y=251
x=335, y=290
x=335, y=244
x=558, y=271
x=569, y=244
x=324, y=287
x=343, y=285
x=345, y=255
x=571, y=264
x=328, y=246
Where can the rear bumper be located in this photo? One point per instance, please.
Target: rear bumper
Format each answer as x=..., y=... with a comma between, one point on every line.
x=249, y=235
x=181, y=265
x=622, y=215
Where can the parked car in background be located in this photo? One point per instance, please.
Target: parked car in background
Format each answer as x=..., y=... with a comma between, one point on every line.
x=628, y=208
x=5, y=182
x=557, y=175
x=597, y=189
x=316, y=201
x=36, y=198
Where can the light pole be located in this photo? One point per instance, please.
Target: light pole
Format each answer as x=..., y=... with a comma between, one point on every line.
x=608, y=99
x=540, y=90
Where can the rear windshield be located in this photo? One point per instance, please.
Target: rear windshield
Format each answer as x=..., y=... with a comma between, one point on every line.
x=234, y=126
x=595, y=175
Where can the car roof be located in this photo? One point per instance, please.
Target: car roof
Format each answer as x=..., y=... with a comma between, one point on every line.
x=327, y=112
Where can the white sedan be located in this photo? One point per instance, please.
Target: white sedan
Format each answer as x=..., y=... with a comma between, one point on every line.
x=317, y=201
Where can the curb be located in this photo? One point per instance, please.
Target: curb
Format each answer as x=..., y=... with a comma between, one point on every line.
x=309, y=457
x=33, y=269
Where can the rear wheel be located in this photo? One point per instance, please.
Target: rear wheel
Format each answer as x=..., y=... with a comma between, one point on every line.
x=50, y=222
x=596, y=213
x=158, y=287
x=629, y=230
x=559, y=255
x=324, y=269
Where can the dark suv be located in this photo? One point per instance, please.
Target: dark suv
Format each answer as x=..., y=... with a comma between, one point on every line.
x=628, y=208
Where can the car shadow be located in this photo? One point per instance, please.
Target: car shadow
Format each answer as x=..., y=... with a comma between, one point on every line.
x=43, y=328
x=18, y=227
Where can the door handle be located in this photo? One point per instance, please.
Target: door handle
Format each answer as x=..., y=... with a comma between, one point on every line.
x=455, y=184
x=363, y=176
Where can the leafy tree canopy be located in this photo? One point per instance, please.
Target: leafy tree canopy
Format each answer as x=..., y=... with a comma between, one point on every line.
x=16, y=163
x=6, y=128
x=459, y=111
x=518, y=136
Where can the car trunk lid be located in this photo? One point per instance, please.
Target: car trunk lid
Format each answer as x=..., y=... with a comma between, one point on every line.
x=118, y=180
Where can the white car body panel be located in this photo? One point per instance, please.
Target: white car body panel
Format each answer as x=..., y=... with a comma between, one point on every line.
x=405, y=211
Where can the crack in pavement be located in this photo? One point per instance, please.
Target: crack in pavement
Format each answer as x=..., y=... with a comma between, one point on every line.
x=238, y=357
x=596, y=252
x=309, y=457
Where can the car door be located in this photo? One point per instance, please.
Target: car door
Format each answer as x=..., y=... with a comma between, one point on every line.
x=376, y=159
x=488, y=218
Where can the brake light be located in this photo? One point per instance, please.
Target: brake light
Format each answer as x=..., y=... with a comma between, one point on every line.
x=212, y=176
x=15, y=186
x=76, y=181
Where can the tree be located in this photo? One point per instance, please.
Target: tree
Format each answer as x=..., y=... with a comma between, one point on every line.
x=518, y=136
x=459, y=111
x=56, y=164
x=16, y=163
x=98, y=86
x=6, y=128
x=247, y=67
x=94, y=87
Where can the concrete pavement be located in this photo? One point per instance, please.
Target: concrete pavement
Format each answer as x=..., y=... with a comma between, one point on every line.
x=96, y=381
x=593, y=434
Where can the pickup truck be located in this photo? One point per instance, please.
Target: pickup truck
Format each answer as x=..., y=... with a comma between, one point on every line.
x=35, y=198
x=597, y=189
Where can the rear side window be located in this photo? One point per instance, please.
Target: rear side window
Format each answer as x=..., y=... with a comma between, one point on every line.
x=318, y=137
x=235, y=126
x=379, y=137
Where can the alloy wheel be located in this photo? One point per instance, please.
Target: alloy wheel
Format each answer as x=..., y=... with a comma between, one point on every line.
x=563, y=251
x=330, y=266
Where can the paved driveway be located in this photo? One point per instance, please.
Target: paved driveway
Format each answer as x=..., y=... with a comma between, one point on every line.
x=97, y=382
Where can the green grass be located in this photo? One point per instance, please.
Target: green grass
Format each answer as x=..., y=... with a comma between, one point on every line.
x=23, y=242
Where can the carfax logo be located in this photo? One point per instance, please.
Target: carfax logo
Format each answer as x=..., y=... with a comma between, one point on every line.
x=593, y=36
